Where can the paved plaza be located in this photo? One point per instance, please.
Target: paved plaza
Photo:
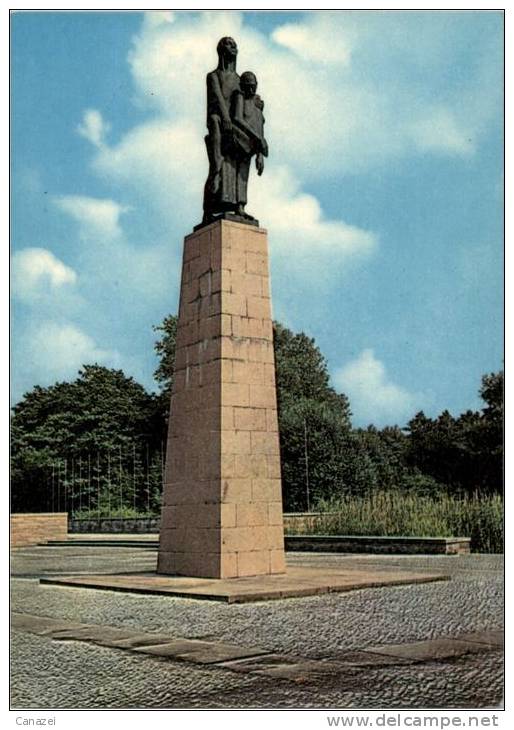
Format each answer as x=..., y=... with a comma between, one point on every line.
x=430, y=645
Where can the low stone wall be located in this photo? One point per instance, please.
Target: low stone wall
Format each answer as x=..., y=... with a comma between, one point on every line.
x=147, y=525
x=34, y=528
x=133, y=526
x=377, y=545
x=297, y=523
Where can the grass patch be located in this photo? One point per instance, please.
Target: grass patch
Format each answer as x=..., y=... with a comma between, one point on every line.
x=394, y=514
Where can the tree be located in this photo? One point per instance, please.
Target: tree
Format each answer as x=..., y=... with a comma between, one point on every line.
x=301, y=372
x=317, y=448
x=385, y=449
x=93, y=426
x=165, y=350
x=464, y=453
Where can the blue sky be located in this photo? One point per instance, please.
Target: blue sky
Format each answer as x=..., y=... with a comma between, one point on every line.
x=383, y=193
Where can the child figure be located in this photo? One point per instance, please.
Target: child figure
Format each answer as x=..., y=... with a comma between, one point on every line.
x=248, y=132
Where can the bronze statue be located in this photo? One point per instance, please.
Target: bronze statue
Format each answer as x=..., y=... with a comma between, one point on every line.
x=236, y=134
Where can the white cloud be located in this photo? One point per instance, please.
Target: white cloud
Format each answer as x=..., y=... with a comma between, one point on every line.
x=163, y=161
x=36, y=272
x=93, y=127
x=374, y=398
x=319, y=41
x=98, y=218
x=441, y=132
x=59, y=349
x=297, y=220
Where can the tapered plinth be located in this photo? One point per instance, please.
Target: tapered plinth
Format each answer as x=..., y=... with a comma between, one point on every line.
x=222, y=502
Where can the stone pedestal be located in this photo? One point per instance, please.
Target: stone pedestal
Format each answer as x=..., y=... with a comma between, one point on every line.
x=222, y=503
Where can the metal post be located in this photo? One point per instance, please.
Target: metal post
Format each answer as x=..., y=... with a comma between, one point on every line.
x=53, y=486
x=65, y=485
x=162, y=467
x=80, y=484
x=98, y=483
x=89, y=484
x=109, y=483
x=121, y=488
x=147, y=481
x=306, y=465
x=134, y=477
x=58, y=486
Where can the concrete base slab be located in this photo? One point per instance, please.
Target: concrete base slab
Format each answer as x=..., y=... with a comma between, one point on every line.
x=298, y=581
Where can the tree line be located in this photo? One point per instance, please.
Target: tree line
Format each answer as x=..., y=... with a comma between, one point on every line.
x=103, y=436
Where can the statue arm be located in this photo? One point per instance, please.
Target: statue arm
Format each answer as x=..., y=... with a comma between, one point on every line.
x=214, y=89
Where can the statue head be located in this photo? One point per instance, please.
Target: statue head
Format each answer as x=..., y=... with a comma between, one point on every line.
x=227, y=49
x=248, y=83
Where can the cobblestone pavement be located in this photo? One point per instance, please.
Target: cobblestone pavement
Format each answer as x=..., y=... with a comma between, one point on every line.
x=51, y=673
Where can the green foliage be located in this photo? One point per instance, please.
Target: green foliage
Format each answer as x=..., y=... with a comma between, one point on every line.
x=396, y=513
x=165, y=349
x=385, y=450
x=100, y=430
x=464, y=453
x=314, y=423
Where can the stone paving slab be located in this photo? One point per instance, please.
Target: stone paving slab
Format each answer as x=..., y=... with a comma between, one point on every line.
x=164, y=645
x=368, y=659
x=298, y=581
x=41, y=625
x=431, y=650
x=200, y=652
x=491, y=638
x=295, y=668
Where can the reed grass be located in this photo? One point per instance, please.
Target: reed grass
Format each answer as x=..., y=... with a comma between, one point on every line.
x=393, y=513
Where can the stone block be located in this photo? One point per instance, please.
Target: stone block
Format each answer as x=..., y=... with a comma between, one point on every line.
x=228, y=565
x=263, y=442
x=271, y=420
x=234, y=348
x=254, y=562
x=235, y=442
x=277, y=561
x=258, y=307
x=235, y=394
x=260, y=351
x=266, y=490
x=191, y=248
x=236, y=490
x=251, y=515
x=251, y=466
x=249, y=285
x=250, y=419
x=234, y=304
x=275, y=536
x=275, y=514
x=228, y=514
x=227, y=419
x=273, y=471
x=257, y=263
x=262, y=396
